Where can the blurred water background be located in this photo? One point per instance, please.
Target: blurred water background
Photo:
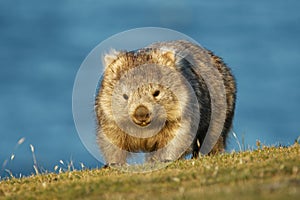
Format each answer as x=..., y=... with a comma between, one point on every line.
x=43, y=43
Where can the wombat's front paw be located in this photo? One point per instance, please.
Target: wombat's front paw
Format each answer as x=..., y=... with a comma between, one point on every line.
x=161, y=160
x=114, y=165
x=167, y=161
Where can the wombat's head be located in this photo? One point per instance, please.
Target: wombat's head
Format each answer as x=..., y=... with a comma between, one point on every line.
x=152, y=104
x=139, y=91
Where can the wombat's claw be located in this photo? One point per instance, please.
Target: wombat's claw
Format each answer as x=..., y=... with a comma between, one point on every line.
x=113, y=165
x=167, y=161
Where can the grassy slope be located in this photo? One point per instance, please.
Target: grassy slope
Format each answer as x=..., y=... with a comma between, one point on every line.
x=269, y=173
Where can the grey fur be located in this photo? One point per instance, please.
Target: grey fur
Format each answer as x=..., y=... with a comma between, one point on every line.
x=184, y=121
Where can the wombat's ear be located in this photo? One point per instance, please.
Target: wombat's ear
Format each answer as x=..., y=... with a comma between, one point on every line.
x=169, y=54
x=110, y=57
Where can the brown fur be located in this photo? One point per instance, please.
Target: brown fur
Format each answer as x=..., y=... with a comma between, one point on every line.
x=115, y=143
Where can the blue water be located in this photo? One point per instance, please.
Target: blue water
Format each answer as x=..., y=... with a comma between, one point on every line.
x=42, y=45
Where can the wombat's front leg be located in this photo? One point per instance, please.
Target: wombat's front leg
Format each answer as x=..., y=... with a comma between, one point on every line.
x=113, y=155
x=174, y=150
x=167, y=154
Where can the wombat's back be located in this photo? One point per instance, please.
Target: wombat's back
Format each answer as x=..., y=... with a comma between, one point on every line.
x=215, y=87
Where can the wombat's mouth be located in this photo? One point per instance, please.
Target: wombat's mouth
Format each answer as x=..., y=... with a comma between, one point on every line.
x=141, y=116
x=142, y=123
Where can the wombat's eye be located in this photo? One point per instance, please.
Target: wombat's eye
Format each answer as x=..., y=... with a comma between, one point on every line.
x=125, y=96
x=156, y=93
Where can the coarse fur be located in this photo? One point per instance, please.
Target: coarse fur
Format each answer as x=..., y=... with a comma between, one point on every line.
x=163, y=100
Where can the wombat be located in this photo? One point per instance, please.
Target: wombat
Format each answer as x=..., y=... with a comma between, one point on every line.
x=164, y=99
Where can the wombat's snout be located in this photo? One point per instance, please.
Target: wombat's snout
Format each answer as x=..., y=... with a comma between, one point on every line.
x=141, y=116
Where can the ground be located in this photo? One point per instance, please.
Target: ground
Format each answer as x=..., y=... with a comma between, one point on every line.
x=265, y=173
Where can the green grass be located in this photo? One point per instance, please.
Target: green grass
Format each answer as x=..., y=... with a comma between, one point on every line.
x=266, y=173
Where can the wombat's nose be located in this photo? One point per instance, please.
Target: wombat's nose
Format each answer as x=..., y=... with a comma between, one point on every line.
x=141, y=115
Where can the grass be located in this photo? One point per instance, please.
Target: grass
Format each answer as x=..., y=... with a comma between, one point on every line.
x=266, y=173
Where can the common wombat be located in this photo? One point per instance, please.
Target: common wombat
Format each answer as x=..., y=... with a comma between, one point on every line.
x=159, y=99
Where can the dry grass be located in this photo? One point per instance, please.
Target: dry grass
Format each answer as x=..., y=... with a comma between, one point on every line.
x=266, y=173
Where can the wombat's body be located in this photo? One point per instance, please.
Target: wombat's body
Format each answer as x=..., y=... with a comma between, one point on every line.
x=145, y=103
